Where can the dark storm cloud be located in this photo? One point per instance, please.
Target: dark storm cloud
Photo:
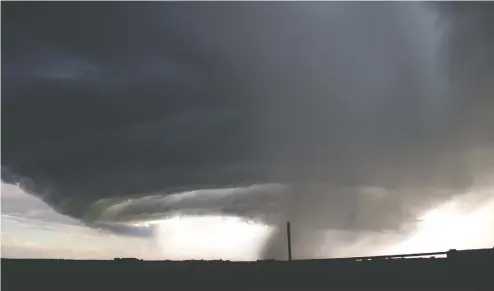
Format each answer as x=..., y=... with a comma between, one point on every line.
x=119, y=100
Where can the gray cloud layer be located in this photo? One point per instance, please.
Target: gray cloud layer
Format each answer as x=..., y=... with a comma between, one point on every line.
x=130, y=100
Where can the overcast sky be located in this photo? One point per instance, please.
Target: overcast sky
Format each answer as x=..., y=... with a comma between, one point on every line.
x=346, y=116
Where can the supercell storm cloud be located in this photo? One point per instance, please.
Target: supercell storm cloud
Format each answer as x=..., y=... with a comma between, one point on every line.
x=304, y=108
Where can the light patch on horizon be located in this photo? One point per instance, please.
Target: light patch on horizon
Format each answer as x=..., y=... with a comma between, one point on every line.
x=206, y=237
x=451, y=227
x=464, y=222
x=23, y=238
x=30, y=229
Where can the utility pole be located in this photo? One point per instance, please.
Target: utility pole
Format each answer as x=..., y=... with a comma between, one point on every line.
x=289, y=237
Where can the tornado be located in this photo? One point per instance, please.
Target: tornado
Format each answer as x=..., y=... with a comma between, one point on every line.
x=331, y=115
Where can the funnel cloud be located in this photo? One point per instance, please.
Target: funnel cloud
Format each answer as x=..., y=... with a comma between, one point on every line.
x=350, y=116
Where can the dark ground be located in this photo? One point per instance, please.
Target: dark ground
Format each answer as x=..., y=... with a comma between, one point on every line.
x=459, y=270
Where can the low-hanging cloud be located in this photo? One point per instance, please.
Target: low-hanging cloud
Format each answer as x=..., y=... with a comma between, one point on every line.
x=31, y=229
x=351, y=107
